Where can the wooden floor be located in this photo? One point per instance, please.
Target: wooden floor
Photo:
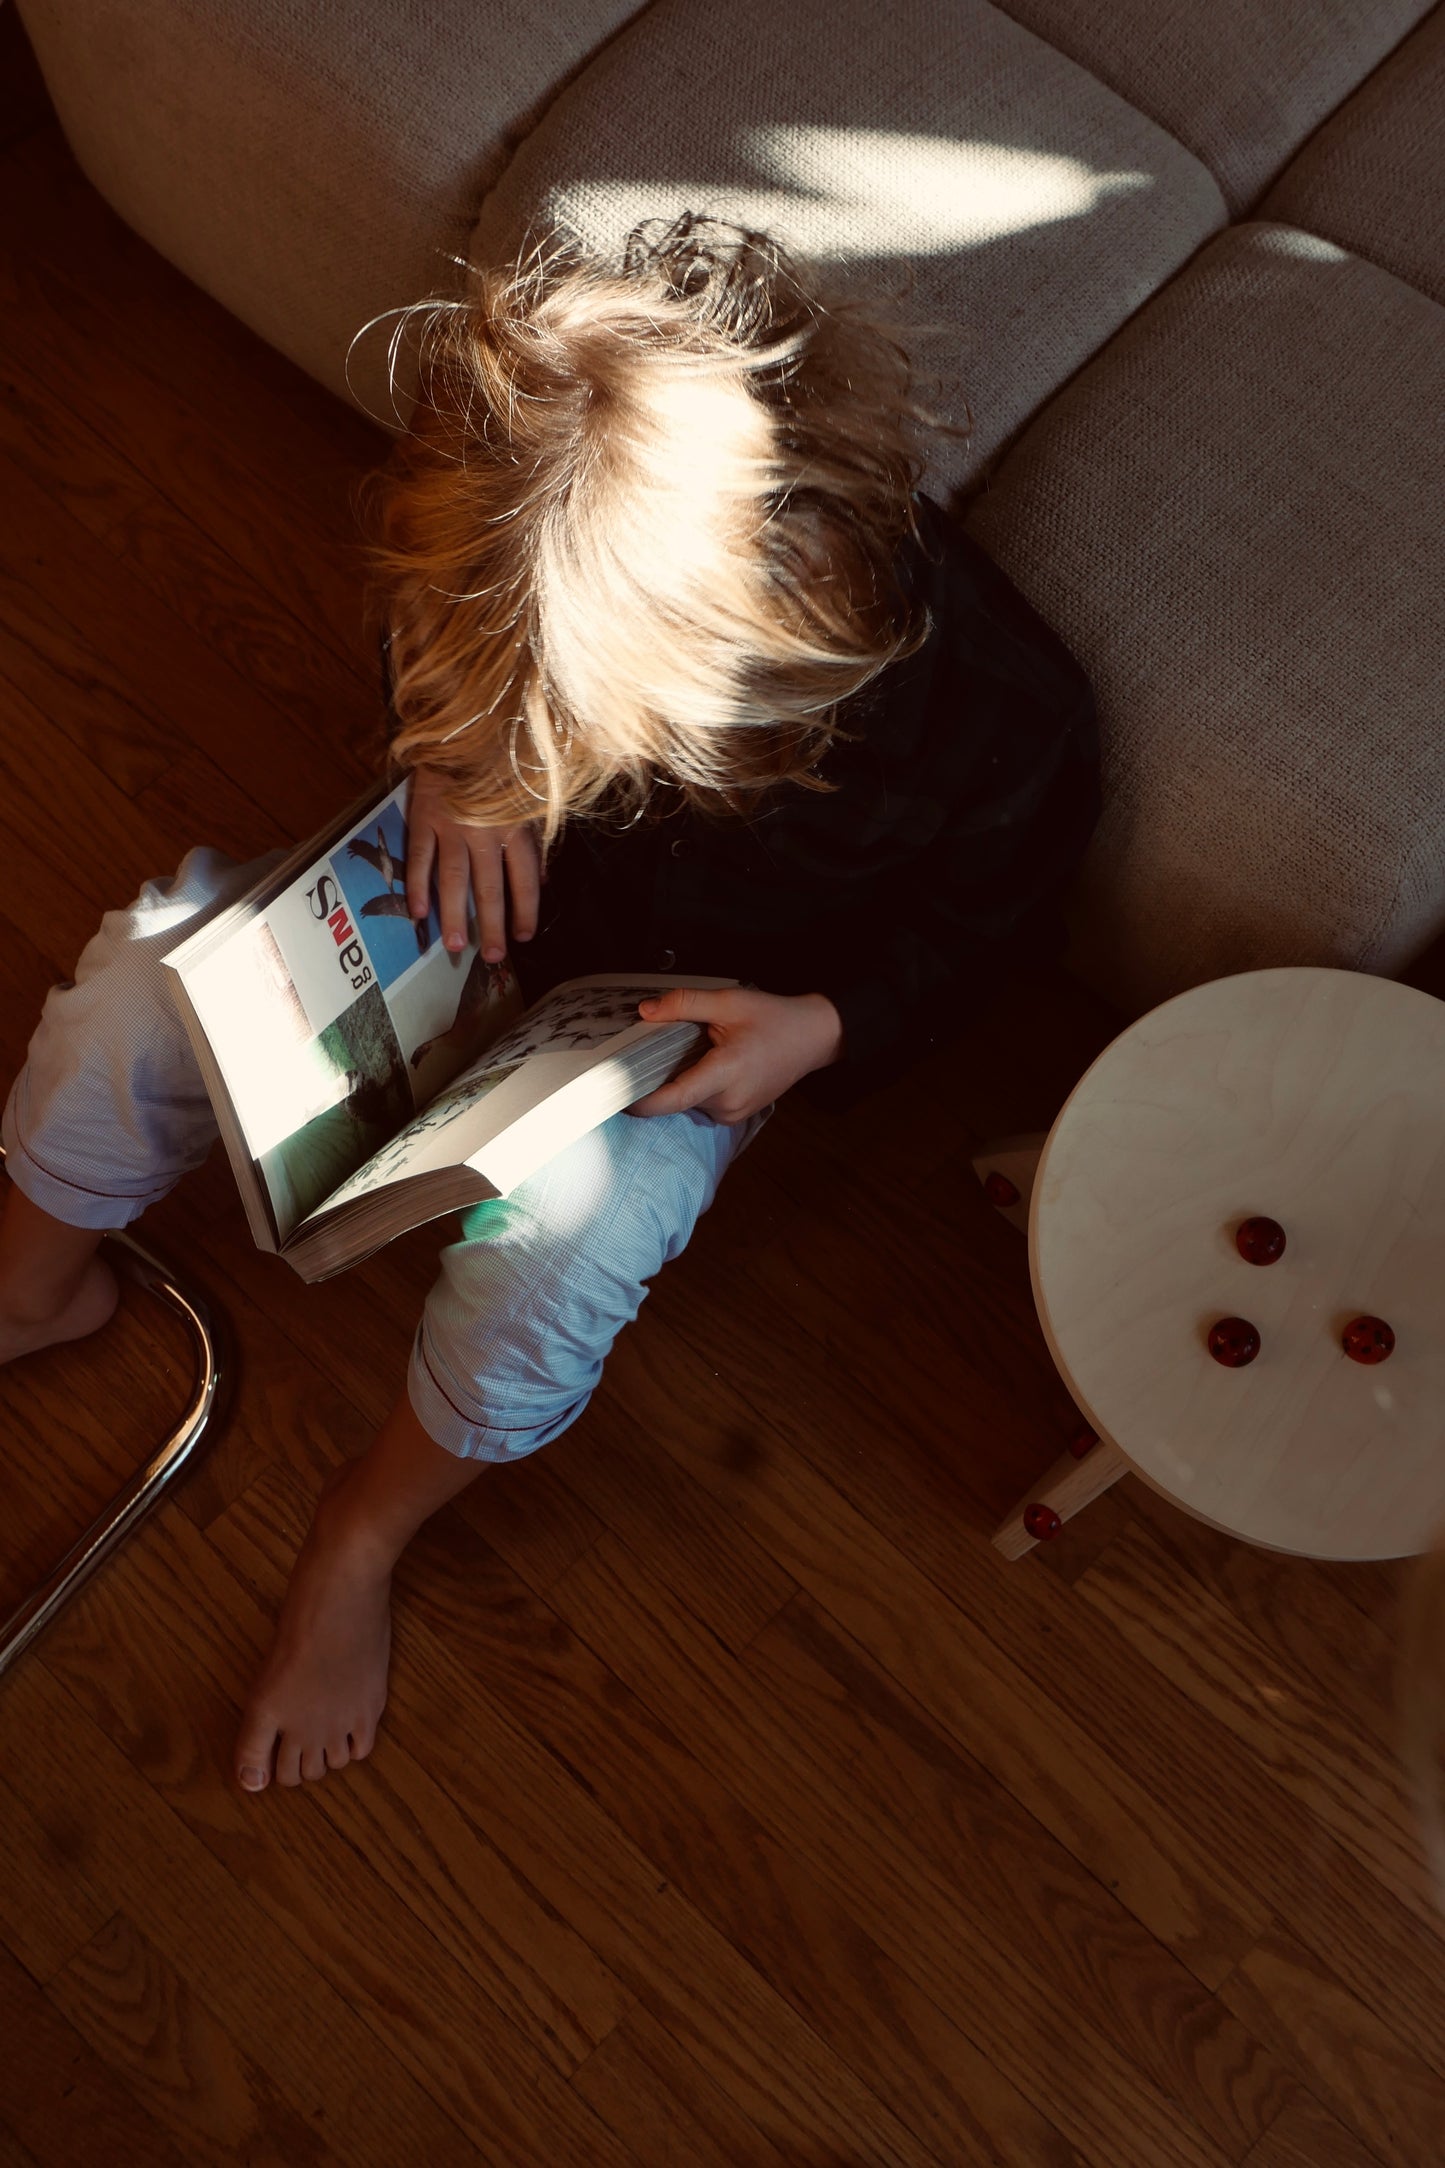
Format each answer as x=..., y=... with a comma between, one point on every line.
x=736, y=1806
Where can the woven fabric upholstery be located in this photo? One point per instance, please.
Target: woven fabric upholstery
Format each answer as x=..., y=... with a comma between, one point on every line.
x=308, y=165
x=1240, y=82
x=1233, y=518
x=1034, y=209
x=1373, y=179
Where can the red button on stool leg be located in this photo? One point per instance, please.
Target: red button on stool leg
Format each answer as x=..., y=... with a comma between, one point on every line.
x=999, y=1190
x=1062, y=1491
x=1083, y=1441
x=1041, y=1522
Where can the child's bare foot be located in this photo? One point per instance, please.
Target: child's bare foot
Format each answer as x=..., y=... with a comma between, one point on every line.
x=28, y=1323
x=319, y=1696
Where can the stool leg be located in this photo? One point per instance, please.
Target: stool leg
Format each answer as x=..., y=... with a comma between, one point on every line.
x=1005, y=1168
x=1070, y=1485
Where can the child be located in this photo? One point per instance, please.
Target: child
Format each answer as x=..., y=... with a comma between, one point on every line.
x=663, y=610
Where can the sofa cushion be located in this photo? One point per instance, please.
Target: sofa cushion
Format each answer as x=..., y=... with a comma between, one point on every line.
x=1240, y=82
x=1031, y=208
x=310, y=166
x=1373, y=179
x=1233, y=518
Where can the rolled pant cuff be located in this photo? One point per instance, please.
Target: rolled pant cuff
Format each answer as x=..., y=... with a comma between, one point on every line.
x=69, y=1202
x=447, y=1423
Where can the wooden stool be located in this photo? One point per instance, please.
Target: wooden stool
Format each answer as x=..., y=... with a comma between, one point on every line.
x=1311, y=1098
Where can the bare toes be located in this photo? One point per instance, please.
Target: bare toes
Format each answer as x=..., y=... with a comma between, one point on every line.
x=255, y=1750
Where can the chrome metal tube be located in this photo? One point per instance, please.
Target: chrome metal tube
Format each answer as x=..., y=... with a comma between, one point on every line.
x=145, y=1489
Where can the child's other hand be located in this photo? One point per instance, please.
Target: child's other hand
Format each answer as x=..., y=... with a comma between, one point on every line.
x=761, y=1044
x=492, y=864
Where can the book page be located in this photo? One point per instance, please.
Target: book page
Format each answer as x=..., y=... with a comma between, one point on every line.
x=334, y=1017
x=562, y=1038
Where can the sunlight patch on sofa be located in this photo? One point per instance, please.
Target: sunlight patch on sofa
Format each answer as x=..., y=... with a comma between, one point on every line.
x=862, y=192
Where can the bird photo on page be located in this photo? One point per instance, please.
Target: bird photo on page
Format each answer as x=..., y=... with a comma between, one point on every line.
x=371, y=869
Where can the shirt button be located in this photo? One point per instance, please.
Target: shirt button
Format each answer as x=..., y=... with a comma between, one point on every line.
x=677, y=847
x=667, y=959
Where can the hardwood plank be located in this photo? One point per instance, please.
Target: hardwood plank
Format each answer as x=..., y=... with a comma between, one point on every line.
x=72, y=615
x=911, y=1277
x=13, y=2154
x=280, y=1411
x=1306, y=2137
x=56, y=2092
x=858, y=1272
x=92, y=835
x=334, y=702
x=1344, y=2053
x=47, y=1910
x=123, y=841
x=691, y=1541
x=959, y=1664
x=543, y=1813
x=193, y=802
x=531, y=1518
x=752, y=1884
x=272, y=2001
x=1126, y=2022
x=223, y=428
x=883, y=1756
x=42, y=652
x=1328, y=1754
x=1373, y=1587
x=1389, y=1947
x=1238, y=1819
x=151, y=2025
x=386, y=1891
x=655, y=2097
x=1301, y=1609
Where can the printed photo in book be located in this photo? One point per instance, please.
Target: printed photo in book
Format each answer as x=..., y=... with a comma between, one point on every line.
x=365, y=1078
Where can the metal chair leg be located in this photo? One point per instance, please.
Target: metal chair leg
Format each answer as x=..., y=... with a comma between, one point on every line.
x=145, y=1489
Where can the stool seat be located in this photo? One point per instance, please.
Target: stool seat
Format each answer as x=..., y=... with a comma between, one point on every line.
x=1315, y=1098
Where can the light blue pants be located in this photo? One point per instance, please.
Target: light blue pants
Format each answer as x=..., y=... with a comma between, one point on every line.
x=110, y=1111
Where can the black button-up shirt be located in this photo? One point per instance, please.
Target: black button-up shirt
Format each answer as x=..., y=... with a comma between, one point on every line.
x=965, y=791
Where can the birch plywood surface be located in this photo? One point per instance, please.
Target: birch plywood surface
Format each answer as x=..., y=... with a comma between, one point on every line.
x=735, y=1803
x=1316, y=1098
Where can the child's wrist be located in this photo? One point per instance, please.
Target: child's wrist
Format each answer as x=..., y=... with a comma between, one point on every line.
x=830, y=1030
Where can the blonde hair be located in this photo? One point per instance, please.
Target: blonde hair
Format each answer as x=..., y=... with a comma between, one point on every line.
x=644, y=527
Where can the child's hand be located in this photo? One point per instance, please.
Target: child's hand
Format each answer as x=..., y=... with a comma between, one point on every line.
x=488, y=862
x=761, y=1044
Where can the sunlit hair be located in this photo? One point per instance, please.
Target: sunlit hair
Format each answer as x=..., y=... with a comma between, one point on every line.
x=643, y=528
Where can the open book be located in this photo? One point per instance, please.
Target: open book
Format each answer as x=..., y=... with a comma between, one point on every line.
x=366, y=1080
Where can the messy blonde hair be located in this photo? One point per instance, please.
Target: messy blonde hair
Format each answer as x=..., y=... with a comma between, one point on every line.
x=644, y=527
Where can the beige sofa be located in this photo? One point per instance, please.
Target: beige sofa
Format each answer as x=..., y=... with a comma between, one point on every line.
x=1185, y=266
